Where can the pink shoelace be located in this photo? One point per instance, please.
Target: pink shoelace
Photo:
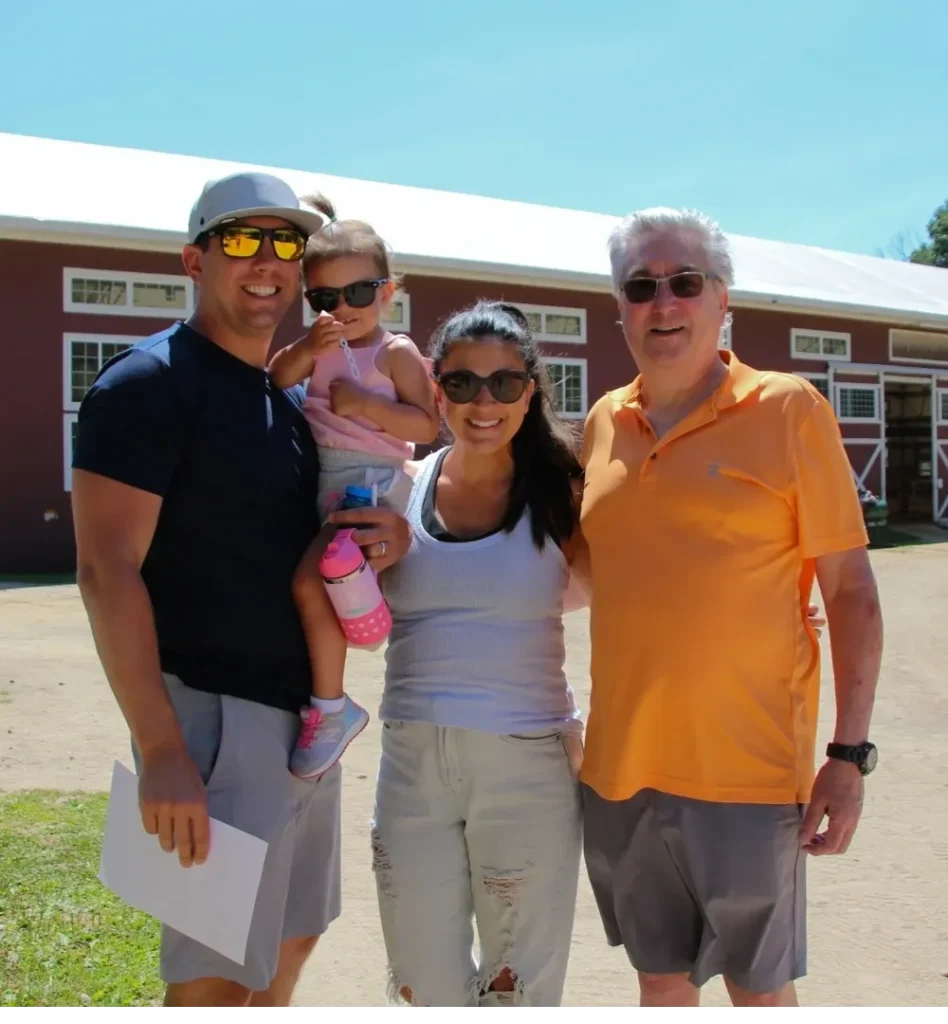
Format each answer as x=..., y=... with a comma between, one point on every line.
x=312, y=720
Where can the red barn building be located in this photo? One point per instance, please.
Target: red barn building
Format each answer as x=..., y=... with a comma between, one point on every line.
x=90, y=241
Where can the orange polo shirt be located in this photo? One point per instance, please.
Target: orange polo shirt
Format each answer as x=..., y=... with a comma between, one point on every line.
x=705, y=672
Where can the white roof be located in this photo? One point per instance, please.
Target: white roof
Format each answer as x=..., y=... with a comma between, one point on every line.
x=135, y=198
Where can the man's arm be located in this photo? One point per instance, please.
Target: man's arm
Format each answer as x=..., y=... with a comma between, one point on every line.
x=855, y=623
x=576, y=551
x=132, y=431
x=114, y=526
x=833, y=535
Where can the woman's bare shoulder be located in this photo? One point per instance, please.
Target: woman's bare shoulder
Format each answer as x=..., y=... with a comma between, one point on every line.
x=413, y=468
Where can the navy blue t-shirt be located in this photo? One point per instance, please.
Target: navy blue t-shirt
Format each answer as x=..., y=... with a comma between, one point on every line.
x=232, y=457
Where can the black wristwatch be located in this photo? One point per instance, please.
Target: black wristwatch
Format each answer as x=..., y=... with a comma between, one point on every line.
x=863, y=755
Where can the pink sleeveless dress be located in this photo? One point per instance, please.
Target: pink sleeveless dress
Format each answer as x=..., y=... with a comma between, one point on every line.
x=354, y=434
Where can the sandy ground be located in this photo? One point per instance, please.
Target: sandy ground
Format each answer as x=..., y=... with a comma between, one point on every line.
x=878, y=929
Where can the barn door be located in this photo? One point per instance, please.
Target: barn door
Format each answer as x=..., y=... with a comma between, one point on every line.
x=859, y=409
x=940, y=452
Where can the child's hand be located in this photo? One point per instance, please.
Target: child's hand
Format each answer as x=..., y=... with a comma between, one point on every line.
x=325, y=332
x=346, y=397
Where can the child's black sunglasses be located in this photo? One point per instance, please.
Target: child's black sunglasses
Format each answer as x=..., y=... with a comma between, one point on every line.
x=358, y=295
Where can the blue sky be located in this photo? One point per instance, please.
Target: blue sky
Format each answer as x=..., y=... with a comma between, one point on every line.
x=817, y=121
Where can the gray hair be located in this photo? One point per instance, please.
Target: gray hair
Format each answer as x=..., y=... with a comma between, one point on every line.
x=660, y=220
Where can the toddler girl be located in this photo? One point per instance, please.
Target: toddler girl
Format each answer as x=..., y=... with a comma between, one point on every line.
x=369, y=400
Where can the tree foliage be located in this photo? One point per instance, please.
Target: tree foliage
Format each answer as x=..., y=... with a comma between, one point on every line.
x=935, y=251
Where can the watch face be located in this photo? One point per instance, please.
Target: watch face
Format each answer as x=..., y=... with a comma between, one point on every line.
x=870, y=760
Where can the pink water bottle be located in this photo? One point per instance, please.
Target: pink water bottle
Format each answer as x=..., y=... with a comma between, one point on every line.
x=354, y=592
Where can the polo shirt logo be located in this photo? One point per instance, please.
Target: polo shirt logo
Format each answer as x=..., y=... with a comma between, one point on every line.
x=713, y=469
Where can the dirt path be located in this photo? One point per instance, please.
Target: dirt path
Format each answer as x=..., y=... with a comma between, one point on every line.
x=878, y=932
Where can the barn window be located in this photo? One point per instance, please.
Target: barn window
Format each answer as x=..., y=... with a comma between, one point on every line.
x=918, y=347
x=83, y=356
x=858, y=402
x=555, y=323
x=113, y=292
x=568, y=379
x=819, y=381
x=819, y=345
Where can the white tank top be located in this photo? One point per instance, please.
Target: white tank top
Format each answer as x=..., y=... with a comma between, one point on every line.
x=477, y=636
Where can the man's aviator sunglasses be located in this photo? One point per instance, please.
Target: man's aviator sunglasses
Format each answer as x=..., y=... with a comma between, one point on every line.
x=462, y=386
x=358, y=295
x=687, y=284
x=243, y=242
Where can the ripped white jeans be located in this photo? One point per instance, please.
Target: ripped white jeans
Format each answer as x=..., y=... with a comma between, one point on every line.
x=474, y=826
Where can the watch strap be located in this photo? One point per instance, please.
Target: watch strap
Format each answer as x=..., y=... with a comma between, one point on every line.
x=844, y=751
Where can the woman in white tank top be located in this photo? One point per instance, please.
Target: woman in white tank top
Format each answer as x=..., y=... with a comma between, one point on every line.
x=477, y=806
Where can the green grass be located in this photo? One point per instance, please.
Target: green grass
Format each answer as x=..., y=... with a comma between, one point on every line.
x=889, y=537
x=65, y=940
x=39, y=579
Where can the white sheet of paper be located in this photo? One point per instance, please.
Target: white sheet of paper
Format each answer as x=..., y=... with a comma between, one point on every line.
x=212, y=902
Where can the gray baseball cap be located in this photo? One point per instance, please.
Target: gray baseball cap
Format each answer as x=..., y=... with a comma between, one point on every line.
x=249, y=194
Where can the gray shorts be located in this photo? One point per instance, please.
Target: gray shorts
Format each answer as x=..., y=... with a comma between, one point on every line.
x=700, y=888
x=340, y=468
x=242, y=750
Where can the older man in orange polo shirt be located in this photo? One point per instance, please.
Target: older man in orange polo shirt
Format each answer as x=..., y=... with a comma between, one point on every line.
x=715, y=494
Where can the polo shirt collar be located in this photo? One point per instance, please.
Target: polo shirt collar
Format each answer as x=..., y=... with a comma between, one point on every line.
x=740, y=382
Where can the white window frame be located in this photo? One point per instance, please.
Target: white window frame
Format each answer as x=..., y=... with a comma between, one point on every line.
x=69, y=418
x=916, y=362
x=129, y=279
x=71, y=408
x=813, y=378
x=544, y=311
x=68, y=338
x=584, y=383
x=941, y=398
x=874, y=388
x=795, y=332
x=309, y=317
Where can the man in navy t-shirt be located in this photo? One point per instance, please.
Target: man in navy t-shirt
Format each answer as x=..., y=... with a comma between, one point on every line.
x=194, y=500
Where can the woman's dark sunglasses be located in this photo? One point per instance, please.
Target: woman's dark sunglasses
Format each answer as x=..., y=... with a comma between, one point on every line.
x=243, y=242
x=358, y=295
x=688, y=284
x=462, y=386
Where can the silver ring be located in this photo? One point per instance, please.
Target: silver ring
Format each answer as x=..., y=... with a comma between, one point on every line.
x=382, y=546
